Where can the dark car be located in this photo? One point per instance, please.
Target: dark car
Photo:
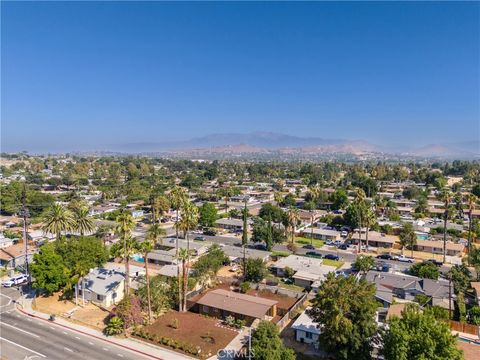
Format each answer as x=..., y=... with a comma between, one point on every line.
x=385, y=257
x=343, y=247
x=199, y=238
x=332, y=257
x=209, y=232
x=309, y=247
x=313, y=254
x=260, y=247
x=436, y=262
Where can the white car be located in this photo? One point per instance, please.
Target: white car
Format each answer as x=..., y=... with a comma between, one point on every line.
x=403, y=258
x=16, y=280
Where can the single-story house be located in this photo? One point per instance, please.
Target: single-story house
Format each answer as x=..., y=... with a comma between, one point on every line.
x=14, y=255
x=231, y=224
x=103, y=287
x=375, y=239
x=235, y=253
x=436, y=246
x=222, y=303
x=306, y=330
x=476, y=289
x=5, y=242
x=322, y=234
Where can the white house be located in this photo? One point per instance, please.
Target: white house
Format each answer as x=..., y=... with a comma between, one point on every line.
x=306, y=331
x=103, y=287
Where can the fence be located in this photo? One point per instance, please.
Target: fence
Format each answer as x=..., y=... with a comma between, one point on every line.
x=286, y=318
x=464, y=328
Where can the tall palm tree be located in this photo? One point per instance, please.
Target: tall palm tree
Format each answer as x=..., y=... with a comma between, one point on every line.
x=57, y=220
x=145, y=248
x=160, y=206
x=293, y=218
x=125, y=251
x=370, y=220
x=178, y=197
x=183, y=256
x=83, y=223
x=360, y=211
x=446, y=197
x=245, y=239
x=189, y=221
x=124, y=231
x=472, y=201
x=154, y=232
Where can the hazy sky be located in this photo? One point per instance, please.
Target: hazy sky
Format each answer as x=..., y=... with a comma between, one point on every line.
x=78, y=76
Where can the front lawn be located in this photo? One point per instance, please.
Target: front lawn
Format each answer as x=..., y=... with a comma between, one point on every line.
x=307, y=241
x=336, y=263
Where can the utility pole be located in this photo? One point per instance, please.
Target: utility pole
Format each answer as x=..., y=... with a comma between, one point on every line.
x=25, y=214
x=250, y=344
x=450, y=297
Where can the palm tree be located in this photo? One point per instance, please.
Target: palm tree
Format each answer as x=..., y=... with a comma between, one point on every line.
x=125, y=252
x=57, y=220
x=178, y=197
x=446, y=197
x=145, y=248
x=245, y=239
x=189, y=221
x=408, y=237
x=183, y=256
x=160, y=205
x=154, y=232
x=472, y=200
x=360, y=212
x=293, y=218
x=370, y=220
x=124, y=231
x=83, y=222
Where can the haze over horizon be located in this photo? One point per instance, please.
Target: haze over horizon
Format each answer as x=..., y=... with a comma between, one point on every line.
x=88, y=75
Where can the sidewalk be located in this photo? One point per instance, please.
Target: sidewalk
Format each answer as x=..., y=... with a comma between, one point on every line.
x=24, y=306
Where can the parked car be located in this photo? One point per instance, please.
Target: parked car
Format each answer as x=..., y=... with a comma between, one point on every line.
x=260, y=247
x=436, y=262
x=403, y=258
x=343, y=247
x=16, y=280
x=384, y=267
x=338, y=242
x=199, y=238
x=385, y=257
x=332, y=257
x=309, y=246
x=209, y=232
x=329, y=242
x=314, y=254
x=344, y=234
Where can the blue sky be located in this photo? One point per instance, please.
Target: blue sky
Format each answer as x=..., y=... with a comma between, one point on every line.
x=80, y=76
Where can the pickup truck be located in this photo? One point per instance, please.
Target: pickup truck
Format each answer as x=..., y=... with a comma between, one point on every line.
x=403, y=258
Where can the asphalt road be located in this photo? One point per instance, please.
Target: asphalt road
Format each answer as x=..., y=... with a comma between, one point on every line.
x=23, y=337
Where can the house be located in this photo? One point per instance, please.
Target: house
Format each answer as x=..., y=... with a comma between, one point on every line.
x=136, y=214
x=306, y=330
x=406, y=287
x=307, y=270
x=39, y=236
x=322, y=234
x=5, y=242
x=103, y=287
x=436, y=247
x=375, y=239
x=307, y=217
x=231, y=224
x=235, y=253
x=476, y=289
x=222, y=303
x=14, y=255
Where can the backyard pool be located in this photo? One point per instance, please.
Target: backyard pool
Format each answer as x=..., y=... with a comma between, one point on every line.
x=138, y=258
x=422, y=237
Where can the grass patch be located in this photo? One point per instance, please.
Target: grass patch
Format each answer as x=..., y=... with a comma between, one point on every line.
x=290, y=286
x=280, y=253
x=307, y=241
x=336, y=263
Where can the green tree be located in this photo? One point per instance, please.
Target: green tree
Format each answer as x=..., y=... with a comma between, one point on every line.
x=363, y=263
x=270, y=211
x=256, y=270
x=293, y=217
x=267, y=344
x=474, y=315
x=345, y=309
x=160, y=205
x=208, y=215
x=162, y=294
x=408, y=237
x=145, y=248
x=155, y=232
x=339, y=199
x=474, y=260
x=57, y=220
x=125, y=226
x=460, y=276
x=446, y=197
x=426, y=270
x=418, y=335
x=82, y=222
x=48, y=269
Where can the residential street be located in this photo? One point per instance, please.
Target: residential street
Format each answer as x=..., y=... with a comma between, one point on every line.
x=23, y=337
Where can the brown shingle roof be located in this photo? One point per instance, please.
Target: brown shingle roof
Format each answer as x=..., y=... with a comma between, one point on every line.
x=237, y=303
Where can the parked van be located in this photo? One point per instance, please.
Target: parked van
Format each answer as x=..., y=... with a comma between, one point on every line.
x=16, y=280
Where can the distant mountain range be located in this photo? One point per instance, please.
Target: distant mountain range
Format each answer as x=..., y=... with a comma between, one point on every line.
x=276, y=143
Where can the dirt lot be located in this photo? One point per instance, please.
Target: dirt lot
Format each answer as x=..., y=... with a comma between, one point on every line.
x=284, y=302
x=194, y=329
x=90, y=315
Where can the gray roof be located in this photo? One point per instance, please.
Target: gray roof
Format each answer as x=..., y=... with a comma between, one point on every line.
x=305, y=323
x=103, y=281
x=304, y=265
x=237, y=252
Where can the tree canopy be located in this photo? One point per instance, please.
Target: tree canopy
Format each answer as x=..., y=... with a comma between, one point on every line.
x=267, y=344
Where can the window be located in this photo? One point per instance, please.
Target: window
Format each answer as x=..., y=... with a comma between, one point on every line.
x=99, y=297
x=308, y=335
x=205, y=309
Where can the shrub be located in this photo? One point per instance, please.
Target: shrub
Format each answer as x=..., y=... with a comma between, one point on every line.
x=244, y=287
x=230, y=320
x=115, y=326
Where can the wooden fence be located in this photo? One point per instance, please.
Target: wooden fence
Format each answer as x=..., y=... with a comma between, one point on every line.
x=464, y=328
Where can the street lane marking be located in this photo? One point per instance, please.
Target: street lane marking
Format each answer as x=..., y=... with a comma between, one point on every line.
x=64, y=332
x=90, y=343
x=68, y=349
x=23, y=347
x=120, y=355
x=105, y=349
x=17, y=328
x=76, y=337
x=51, y=327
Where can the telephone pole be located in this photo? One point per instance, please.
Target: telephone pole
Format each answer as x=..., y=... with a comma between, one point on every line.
x=25, y=214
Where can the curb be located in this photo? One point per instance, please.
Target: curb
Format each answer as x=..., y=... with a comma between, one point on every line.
x=91, y=335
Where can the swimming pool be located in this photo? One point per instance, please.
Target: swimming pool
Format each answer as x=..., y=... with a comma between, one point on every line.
x=138, y=258
x=422, y=237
